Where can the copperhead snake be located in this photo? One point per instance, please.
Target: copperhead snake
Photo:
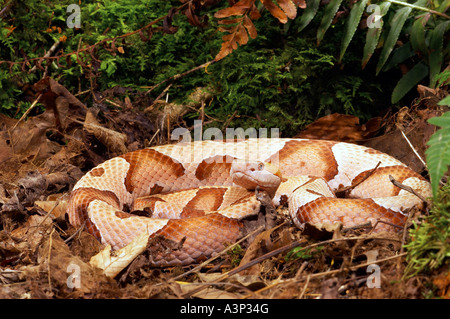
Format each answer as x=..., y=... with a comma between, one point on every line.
x=198, y=193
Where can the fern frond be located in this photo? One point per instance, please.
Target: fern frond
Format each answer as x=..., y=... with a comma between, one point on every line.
x=438, y=153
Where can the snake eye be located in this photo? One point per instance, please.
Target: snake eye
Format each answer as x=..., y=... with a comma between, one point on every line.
x=260, y=166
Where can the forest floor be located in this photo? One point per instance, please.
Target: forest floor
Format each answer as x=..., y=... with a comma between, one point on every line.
x=43, y=156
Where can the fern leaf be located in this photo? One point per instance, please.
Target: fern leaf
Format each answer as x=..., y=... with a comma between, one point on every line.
x=238, y=9
x=436, y=47
x=417, y=37
x=409, y=81
x=237, y=35
x=374, y=31
x=248, y=24
x=309, y=13
x=399, y=55
x=397, y=23
x=352, y=23
x=438, y=153
x=288, y=7
x=275, y=10
x=328, y=15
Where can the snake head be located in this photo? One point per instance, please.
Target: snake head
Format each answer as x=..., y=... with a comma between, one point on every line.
x=256, y=174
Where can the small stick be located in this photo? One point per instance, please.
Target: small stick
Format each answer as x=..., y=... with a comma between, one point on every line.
x=330, y=272
x=49, y=53
x=347, y=188
x=50, y=243
x=304, y=288
x=149, y=108
x=413, y=149
x=406, y=188
x=383, y=222
x=28, y=111
x=75, y=233
x=178, y=76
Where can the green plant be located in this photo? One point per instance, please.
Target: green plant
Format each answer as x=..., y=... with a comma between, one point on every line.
x=425, y=22
x=438, y=153
x=279, y=80
x=301, y=253
x=429, y=247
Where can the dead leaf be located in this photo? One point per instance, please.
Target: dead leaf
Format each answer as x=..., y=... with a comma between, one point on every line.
x=57, y=208
x=275, y=10
x=112, y=263
x=288, y=7
x=64, y=269
x=113, y=140
x=260, y=245
x=340, y=127
x=238, y=9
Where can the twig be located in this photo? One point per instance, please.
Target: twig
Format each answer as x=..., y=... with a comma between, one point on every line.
x=406, y=188
x=113, y=103
x=304, y=288
x=229, y=120
x=347, y=188
x=413, y=149
x=50, y=243
x=336, y=271
x=250, y=264
x=27, y=111
x=7, y=7
x=298, y=278
x=383, y=222
x=75, y=233
x=49, y=53
x=149, y=108
x=353, y=268
x=43, y=220
x=153, y=137
x=178, y=76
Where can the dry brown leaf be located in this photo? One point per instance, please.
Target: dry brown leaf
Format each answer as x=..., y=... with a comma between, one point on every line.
x=66, y=271
x=261, y=242
x=275, y=10
x=238, y=9
x=300, y=3
x=113, y=263
x=57, y=208
x=288, y=7
x=250, y=27
x=113, y=140
x=340, y=127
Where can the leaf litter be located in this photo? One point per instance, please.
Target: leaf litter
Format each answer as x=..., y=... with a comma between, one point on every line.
x=41, y=254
